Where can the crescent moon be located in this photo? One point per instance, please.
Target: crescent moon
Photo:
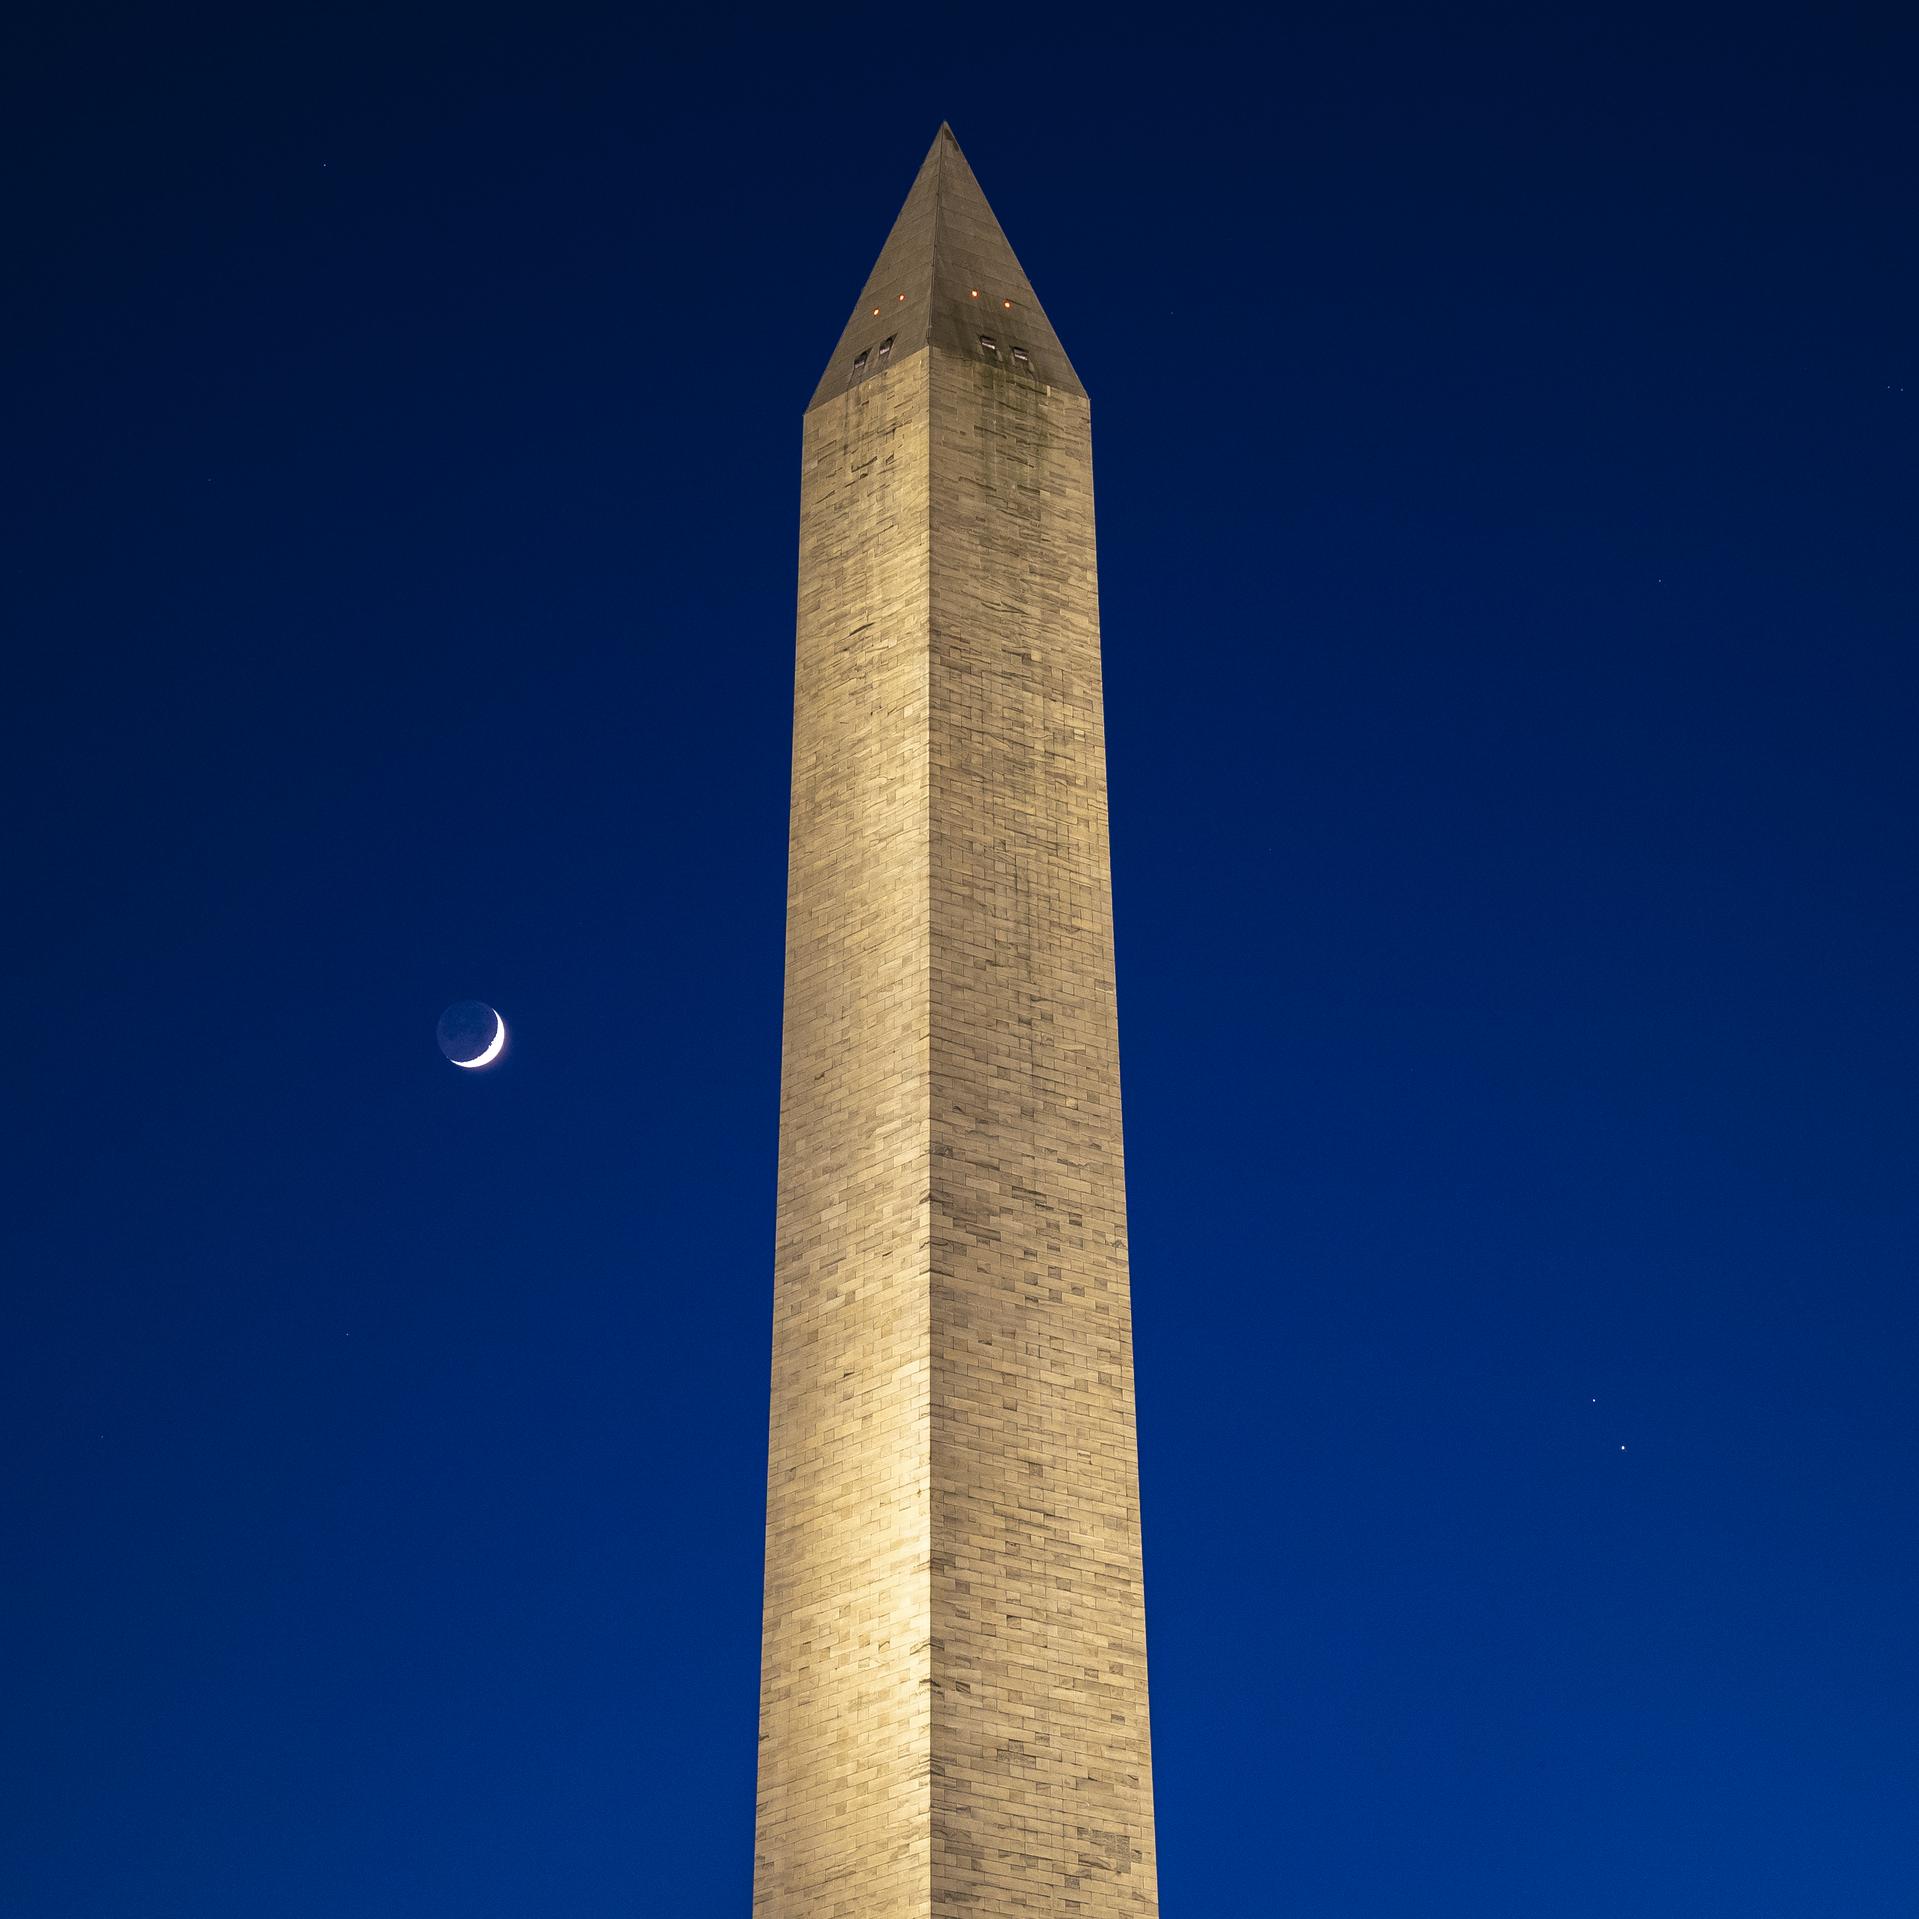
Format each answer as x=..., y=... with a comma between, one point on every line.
x=492, y=1046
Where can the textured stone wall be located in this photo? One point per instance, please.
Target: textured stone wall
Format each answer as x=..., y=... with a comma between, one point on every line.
x=1042, y=1787
x=845, y=1698
x=954, y=1686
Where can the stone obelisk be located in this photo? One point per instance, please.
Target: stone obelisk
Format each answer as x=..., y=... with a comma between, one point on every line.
x=953, y=1684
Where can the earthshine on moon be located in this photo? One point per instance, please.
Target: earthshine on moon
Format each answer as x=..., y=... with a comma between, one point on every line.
x=472, y=1033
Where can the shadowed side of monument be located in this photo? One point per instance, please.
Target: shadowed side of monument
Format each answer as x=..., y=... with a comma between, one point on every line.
x=953, y=1698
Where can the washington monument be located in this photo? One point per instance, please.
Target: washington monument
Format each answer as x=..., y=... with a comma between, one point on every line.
x=953, y=1679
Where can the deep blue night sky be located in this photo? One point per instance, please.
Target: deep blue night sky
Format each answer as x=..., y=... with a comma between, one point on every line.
x=1505, y=432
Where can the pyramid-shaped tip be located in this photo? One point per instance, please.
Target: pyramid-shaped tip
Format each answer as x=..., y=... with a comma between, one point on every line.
x=947, y=278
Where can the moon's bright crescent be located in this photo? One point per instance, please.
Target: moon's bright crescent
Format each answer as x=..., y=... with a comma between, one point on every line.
x=492, y=1046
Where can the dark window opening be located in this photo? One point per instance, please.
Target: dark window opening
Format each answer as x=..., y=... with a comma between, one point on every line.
x=886, y=347
x=989, y=345
x=1020, y=354
x=861, y=361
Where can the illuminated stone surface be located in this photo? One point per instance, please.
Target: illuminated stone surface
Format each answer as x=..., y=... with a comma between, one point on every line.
x=953, y=1694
